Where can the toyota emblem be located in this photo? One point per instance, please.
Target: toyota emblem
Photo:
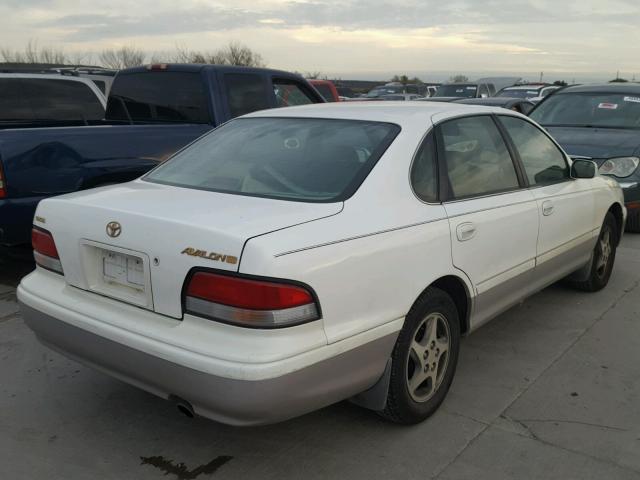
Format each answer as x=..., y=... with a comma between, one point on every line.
x=114, y=229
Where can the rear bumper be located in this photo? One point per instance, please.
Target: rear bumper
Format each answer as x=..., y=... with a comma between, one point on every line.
x=16, y=218
x=276, y=391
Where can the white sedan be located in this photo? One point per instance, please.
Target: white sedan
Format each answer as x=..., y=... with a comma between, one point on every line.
x=294, y=258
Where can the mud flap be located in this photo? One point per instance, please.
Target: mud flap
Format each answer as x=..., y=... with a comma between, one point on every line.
x=375, y=398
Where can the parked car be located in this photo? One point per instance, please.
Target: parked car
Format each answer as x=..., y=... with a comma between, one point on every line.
x=297, y=257
x=151, y=113
x=602, y=123
x=465, y=90
x=537, y=91
x=401, y=97
x=520, y=105
x=327, y=89
x=397, y=88
x=33, y=99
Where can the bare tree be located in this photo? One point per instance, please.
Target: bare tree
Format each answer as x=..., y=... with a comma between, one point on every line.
x=32, y=53
x=122, y=57
x=459, y=79
x=233, y=54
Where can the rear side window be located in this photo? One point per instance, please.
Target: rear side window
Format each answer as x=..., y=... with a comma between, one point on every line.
x=13, y=105
x=477, y=159
x=176, y=97
x=246, y=93
x=51, y=99
x=302, y=159
x=424, y=173
x=543, y=161
x=289, y=93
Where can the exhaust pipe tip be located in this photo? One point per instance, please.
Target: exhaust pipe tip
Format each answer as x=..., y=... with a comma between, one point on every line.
x=183, y=406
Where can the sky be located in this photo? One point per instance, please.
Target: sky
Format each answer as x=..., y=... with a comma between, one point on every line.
x=565, y=39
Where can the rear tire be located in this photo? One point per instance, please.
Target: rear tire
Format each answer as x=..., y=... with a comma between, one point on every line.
x=603, y=258
x=424, y=359
x=633, y=222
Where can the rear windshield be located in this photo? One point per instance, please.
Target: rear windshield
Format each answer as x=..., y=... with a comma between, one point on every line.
x=603, y=110
x=302, y=159
x=158, y=96
x=42, y=99
x=464, y=91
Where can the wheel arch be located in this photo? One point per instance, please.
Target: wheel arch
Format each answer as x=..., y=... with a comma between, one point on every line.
x=457, y=289
x=616, y=211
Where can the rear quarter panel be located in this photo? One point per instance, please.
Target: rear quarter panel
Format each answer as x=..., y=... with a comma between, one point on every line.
x=369, y=263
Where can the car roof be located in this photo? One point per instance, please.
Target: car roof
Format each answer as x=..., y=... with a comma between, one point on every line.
x=493, y=101
x=45, y=76
x=198, y=67
x=526, y=87
x=403, y=113
x=616, y=87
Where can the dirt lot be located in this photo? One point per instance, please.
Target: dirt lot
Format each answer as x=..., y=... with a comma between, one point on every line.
x=551, y=389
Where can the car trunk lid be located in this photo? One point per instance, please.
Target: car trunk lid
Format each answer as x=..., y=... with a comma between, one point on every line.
x=137, y=242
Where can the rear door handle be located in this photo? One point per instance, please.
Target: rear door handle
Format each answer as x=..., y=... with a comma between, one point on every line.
x=547, y=208
x=465, y=231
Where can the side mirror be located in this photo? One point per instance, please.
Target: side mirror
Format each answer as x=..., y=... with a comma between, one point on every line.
x=581, y=168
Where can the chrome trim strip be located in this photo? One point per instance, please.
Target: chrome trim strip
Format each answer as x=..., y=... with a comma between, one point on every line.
x=495, y=207
x=628, y=184
x=252, y=318
x=311, y=247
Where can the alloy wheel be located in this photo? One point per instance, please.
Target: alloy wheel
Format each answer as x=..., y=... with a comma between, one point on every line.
x=428, y=357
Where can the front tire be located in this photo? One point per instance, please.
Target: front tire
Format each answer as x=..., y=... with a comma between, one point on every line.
x=424, y=359
x=603, y=258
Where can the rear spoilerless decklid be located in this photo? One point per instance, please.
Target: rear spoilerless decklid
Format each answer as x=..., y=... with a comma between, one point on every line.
x=146, y=237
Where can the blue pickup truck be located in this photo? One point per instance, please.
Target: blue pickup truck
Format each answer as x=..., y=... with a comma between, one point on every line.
x=151, y=113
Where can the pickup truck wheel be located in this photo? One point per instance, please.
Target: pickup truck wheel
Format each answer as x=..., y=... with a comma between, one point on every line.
x=424, y=359
x=633, y=222
x=603, y=258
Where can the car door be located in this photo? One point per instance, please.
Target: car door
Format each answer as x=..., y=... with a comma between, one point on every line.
x=566, y=206
x=493, y=219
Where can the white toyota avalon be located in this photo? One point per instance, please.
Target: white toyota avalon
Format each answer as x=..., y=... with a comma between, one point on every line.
x=294, y=258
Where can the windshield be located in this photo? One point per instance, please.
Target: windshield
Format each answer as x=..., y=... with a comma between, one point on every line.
x=176, y=97
x=518, y=93
x=303, y=159
x=462, y=91
x=605, y=110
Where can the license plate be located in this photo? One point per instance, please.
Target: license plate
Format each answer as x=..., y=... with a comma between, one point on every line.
x=122, y=269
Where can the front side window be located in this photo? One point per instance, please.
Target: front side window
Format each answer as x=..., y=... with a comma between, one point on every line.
x=302, y=159
x=543, y=161
x=62, y=100
x=289, y=94
x=245, y=93
x=477, y=159
x=424, y=173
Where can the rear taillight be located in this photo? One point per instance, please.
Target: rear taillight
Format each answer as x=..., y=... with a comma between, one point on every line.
x=45, y=252
x=3, y=184
x=249, y=302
